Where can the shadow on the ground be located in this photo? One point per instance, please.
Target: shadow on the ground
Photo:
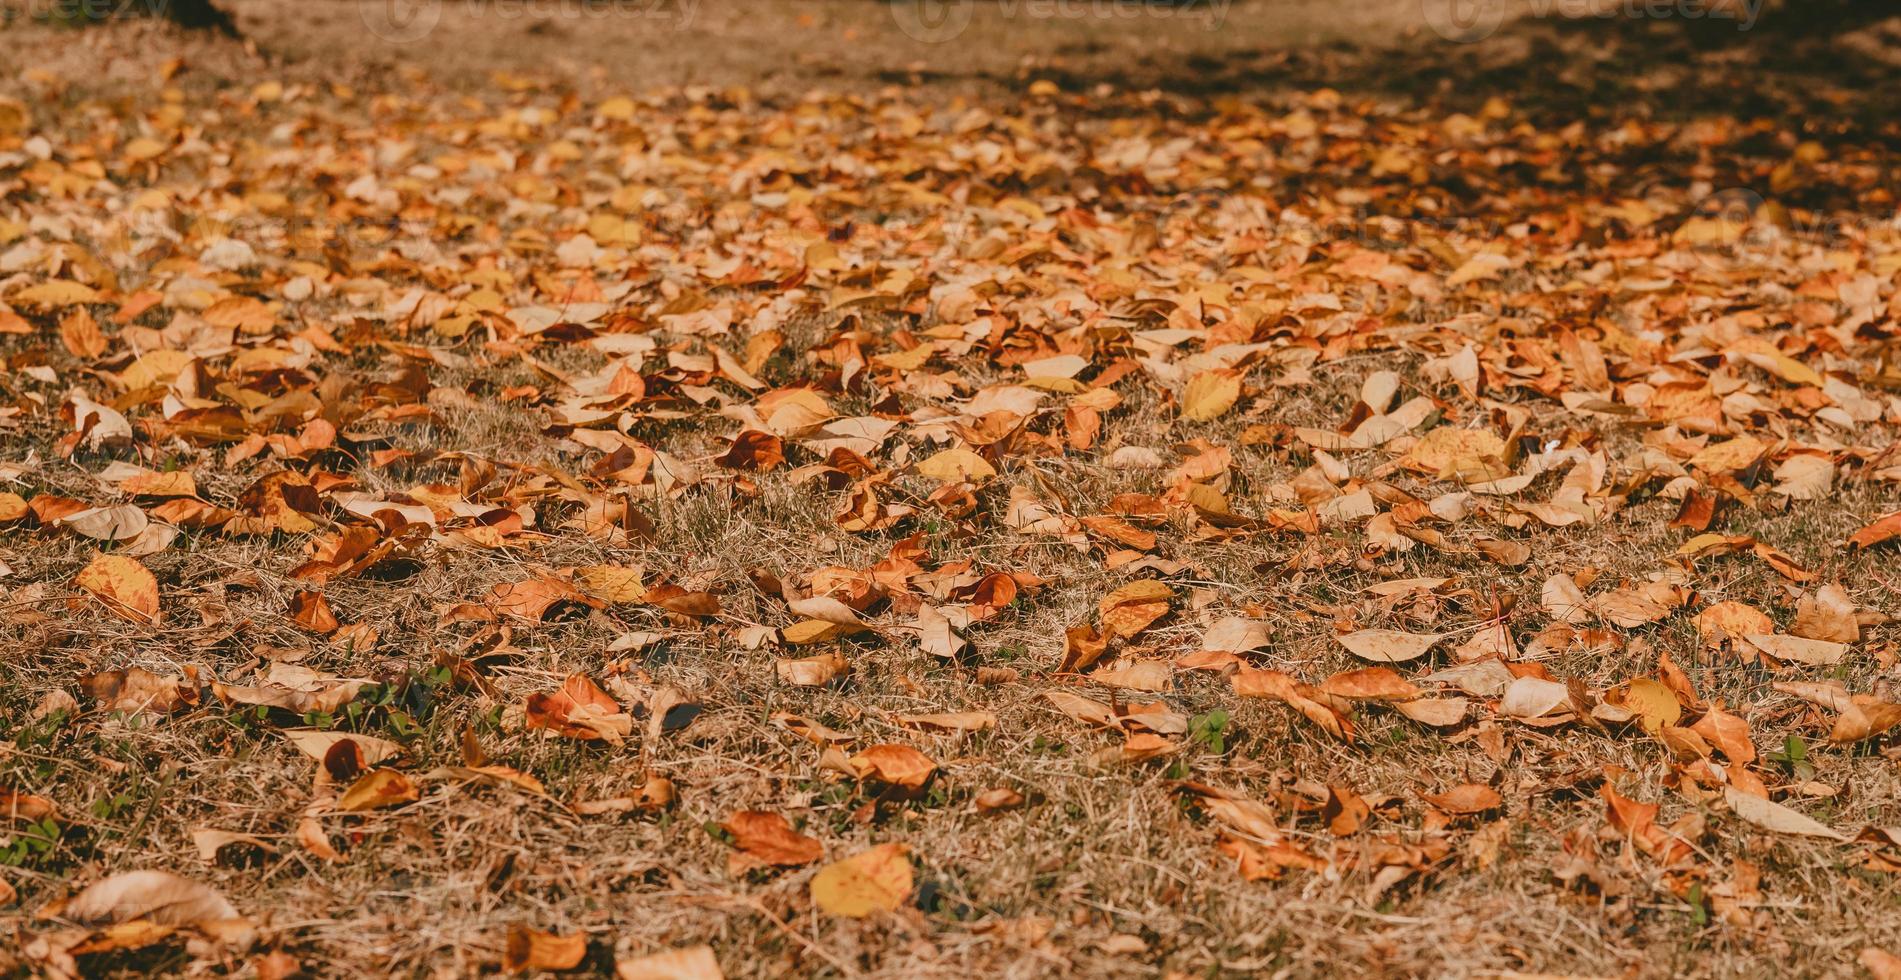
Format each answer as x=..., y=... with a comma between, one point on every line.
x=1828, y=69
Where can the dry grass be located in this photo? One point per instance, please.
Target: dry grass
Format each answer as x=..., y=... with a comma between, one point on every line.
x=1103, y=850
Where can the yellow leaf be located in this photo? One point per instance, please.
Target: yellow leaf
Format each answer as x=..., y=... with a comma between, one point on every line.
x=1654, y=703
x=155, y=368
x=877, y=880
x=617, y=584
x=59, y=292
x=956, y=466
x=1210, y=394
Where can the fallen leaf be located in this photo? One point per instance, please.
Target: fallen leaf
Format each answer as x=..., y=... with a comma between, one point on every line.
x=686, y=963
x=528, y=950
x=764, y=839
x=869, y=882
x=900, y=766
x=124, y=585
x=1388, y=646
x=1775, y=817
x=377, y=789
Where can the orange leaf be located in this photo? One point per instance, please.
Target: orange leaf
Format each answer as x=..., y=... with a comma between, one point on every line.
x=124, y=585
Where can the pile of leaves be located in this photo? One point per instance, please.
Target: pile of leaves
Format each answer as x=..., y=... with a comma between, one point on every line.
x=1375, y=499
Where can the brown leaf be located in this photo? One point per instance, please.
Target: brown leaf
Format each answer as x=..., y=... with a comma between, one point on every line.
x=580, y=710
x=1775, y=817
x=765, y=839
x=26, y=807
x=528, y=950
x=1883, y=529
x=1388, y=646
x=812, y=671
x=900, y=766
x=1466, y=800
x=1880, y=964
x=158, y=897
x=1134, y=607
x=1827, y=614
x=1210, y=394
x=1303, y=698
x=531, y=600
x=377, y=789
x=999, y=798
x=759, y=452
x=310, y=611
x=135, y=690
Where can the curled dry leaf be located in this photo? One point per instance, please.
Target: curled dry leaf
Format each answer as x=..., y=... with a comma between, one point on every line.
x=1143, y=675
x=1827, y=614
x=956, y=466
x=319, y=744
x=1881, y=530
x=1304, y=698
x=1730, y=620
x=1533, y=699
x=869, y=882
x=1210, y=394
x=997, y=799
x=812, y=671
x=529, y=950
x=15, y=805
x=312, y=612
x=531, y=600
x=376, y=790
x=1370, y=684
x=1436, y=712
x=293, y=688
x=1880, y=964
x=209, y=842
x=580, y=710
x=1859, y=716
x=1085, y=710
x=935, y=635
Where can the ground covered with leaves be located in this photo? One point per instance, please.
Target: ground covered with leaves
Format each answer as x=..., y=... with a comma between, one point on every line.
x=1295, y=530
